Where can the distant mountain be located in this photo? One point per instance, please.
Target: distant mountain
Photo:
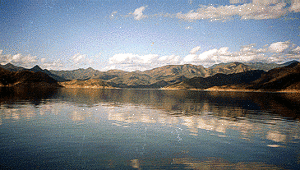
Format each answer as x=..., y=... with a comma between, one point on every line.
x=218, y=80
x=11, y=67
x=268, y=66
x=229, y=68
x=36, y=69
x=289, y=63
x=26, y=78
x=173, y=74
x=150, y=78
x=283, y=78
x=186, y=70
x=158, y=77
x=278, y=79
x=110, y=74
x=78, y=74
x=54, y=76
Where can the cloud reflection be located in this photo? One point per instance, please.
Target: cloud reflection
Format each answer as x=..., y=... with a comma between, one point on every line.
x=135, y=163
x=251, y=114
x=248, y=128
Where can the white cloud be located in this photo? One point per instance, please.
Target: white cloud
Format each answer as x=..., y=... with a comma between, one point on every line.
x=296, y=50
x=265, y=2
x=190, y=58
x=78, y=58
x=195, y=50
x=206, y=54
x=131, y=62
x=54, y=65
x=223, y=51
x=113, y=13
x=43, y=60
x=129, y=58
x=18, y=59
x=284, y=51
x=295, y=6
x=276, y=52
x=279, y=47
x=236, y=1
x=215, y=56
x=76, y=61
x=138, y=13
x=82, y=60
x=169, y=60
x=122, y=58
x=256, y=10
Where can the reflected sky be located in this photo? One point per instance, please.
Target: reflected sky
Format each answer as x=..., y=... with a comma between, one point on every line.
x=142, y=129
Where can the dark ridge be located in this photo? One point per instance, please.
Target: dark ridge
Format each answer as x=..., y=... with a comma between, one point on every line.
x=26, y=78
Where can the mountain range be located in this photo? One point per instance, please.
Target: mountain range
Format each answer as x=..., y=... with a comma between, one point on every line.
x=224, y=75
x=26, y=78
x=285, y=78
x=218, y=80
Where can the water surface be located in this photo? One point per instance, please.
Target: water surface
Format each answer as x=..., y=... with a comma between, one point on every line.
x=148, y=129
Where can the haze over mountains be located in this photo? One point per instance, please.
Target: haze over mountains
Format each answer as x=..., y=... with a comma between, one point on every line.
x=176, y=76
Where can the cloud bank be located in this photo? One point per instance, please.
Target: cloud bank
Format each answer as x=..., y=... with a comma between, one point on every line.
x=277, y=52
x=257, y=10
x=132, y=62
x=18, y=59
x=246, y=11
x=52, y=65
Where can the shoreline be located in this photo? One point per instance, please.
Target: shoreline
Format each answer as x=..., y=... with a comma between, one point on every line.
x=236, y=90
x=87, y=87
x=190, y=89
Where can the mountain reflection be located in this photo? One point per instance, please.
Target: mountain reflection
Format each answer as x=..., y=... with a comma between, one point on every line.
x=223, y=104
x=179, y=102
x=265, y=115
x=207, y=163
x=36, y=96
x=217, y=163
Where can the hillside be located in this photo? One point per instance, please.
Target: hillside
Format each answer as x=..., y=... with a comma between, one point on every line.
x=229, y=68
x=218, y=80
x=78, y=74
x=284, y=78
x=91, y=83
x=25, y=78
x=54, y=76
x=279, y=79
x=154, y=78
x=268, y=66
x=11, y=67
x=175, y=76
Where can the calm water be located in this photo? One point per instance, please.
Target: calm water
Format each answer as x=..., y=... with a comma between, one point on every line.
x=148, y=129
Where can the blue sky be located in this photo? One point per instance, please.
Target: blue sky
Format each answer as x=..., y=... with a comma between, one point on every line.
x=140, y=35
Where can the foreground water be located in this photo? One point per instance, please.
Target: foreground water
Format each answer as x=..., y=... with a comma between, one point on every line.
x=148, y=129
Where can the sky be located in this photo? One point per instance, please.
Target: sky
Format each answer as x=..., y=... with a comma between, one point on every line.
x=141, y=35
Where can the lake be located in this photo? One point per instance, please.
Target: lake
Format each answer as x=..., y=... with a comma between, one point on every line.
x=148, y=129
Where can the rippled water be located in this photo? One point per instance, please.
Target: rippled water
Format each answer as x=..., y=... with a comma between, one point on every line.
x=148, y=129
